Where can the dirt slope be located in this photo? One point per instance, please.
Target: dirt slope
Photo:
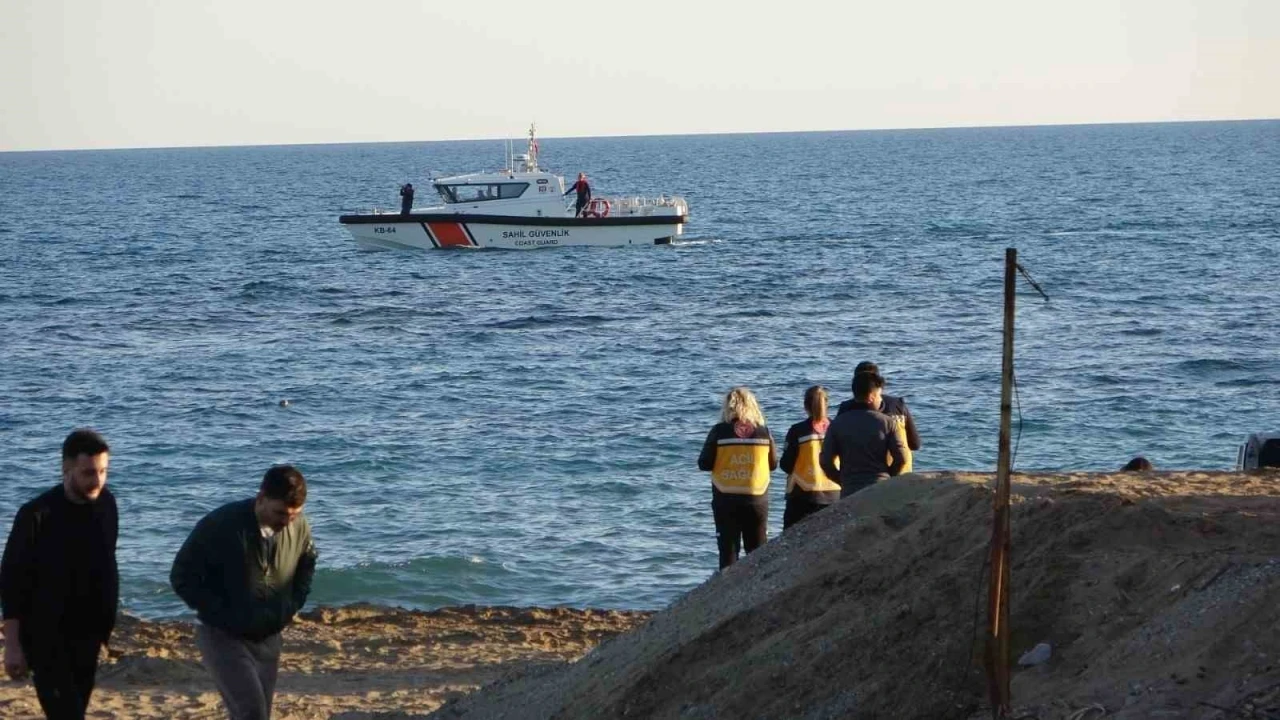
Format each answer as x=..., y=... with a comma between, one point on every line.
x=1159, y=593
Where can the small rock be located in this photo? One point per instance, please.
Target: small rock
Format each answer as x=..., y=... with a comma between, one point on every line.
x=1037, y=655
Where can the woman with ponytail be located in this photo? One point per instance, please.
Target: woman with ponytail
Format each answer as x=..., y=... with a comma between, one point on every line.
x=808, y=487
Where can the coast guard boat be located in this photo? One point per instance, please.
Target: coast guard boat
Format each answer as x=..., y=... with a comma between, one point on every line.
x=520, y=207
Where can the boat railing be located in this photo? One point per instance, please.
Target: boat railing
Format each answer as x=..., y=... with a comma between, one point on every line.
x=637, y=205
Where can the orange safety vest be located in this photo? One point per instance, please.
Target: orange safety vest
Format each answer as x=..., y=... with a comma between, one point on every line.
x=807, y=473
x=742, y=466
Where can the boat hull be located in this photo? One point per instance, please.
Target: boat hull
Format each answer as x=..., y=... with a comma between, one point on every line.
x=430, y=231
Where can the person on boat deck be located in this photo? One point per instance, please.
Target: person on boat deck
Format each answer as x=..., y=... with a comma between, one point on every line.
x=584, y=193
x=808, y=487
x=866, y=442
x=892, y=406
x=740, y=453
x=406, y=198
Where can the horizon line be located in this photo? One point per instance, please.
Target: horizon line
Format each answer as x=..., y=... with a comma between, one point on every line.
x=644, y=135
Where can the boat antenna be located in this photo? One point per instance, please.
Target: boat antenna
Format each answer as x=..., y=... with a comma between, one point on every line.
x=533, y=147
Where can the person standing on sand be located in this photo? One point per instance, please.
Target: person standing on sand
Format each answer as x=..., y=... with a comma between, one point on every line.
x=864, y=441
x=58, y=580
x=895, y=407
x=246, y=570
x=740, y=453
x=809, y=489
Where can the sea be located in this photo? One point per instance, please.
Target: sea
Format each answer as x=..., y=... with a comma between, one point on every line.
x=522, y=428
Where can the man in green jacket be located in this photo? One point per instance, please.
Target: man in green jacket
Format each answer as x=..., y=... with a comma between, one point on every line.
x=246, y=570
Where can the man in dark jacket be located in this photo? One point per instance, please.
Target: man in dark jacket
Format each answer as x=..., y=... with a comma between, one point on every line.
x=58, y=580
x=889, y=405
x=406, y=198
x=246, y=570
x=864, y=439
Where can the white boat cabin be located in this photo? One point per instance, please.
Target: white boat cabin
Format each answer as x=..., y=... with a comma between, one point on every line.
x=528, y=194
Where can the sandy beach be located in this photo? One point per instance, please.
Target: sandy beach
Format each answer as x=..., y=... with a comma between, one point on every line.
x=1158, y=593
x=352, y=663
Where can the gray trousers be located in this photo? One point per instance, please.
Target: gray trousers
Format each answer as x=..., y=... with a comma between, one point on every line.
x=243, y=670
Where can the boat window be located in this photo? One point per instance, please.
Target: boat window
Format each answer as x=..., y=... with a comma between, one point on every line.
x=479, y=193
x=512, y=190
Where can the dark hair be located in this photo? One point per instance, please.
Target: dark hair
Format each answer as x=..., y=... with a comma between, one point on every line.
x=864, y=383
x=284, y=482
x=1138, y=464
x=83, y=441
x=864, y=367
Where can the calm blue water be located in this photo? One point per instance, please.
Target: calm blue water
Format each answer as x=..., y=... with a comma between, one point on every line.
x=522, y=427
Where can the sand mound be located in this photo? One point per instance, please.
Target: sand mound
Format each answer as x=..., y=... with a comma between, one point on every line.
x=1159, y=595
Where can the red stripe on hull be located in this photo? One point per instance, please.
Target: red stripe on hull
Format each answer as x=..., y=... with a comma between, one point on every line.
x=450, y=234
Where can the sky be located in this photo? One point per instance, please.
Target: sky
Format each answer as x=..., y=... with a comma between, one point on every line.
x=150, y=73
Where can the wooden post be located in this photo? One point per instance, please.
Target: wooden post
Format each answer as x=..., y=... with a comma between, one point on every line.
x=997, y=650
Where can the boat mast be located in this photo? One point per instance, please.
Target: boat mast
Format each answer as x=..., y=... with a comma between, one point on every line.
x=532, y=164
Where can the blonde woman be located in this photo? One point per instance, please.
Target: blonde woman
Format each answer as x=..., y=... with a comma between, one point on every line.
x=808, y=487
x=739, y=453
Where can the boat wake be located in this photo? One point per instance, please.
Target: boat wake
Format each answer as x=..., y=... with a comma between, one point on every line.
x=683, y=241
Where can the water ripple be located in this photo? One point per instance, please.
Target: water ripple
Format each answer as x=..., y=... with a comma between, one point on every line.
x=522, y=427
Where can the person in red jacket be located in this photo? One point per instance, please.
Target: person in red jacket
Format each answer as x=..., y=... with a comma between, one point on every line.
x=584, y=193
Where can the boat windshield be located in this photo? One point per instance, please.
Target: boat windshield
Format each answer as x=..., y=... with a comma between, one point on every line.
x=471, y=192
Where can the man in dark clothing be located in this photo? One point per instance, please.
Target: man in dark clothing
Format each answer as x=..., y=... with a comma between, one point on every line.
x=584, y=193
x=246, y=570
x=889, y=405
x=58, y=580
x=864, y=439
x=406, y=198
